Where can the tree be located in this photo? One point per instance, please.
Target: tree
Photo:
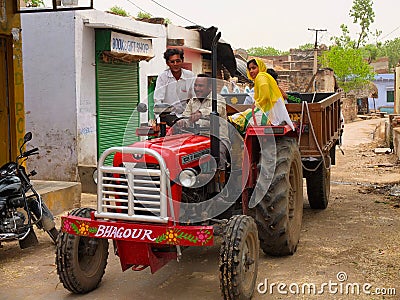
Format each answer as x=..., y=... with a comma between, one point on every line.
x=308, y=46
x=351, y=70
x=364, y=15
x=391, y=49
x=344, y=41
x=265, y=51
x=370, y=52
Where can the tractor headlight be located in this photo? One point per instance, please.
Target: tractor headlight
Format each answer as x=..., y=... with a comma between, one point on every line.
x=95, y=176
x=187, y=177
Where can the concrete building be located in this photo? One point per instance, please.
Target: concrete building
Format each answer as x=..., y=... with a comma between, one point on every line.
x=12, y=116
x=85, y=79
x=296, y=72
x=81, y=89
x=385, y=100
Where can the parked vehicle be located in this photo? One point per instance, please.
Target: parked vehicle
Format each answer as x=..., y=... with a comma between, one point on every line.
x=21, y=207
x=163, y=194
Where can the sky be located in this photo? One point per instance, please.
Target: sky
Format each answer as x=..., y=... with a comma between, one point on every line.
x=281, y=24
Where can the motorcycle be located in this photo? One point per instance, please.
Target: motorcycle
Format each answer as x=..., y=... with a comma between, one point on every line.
x=21, y=207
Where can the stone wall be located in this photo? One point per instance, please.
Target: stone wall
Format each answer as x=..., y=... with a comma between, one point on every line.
x=302, y=80
x=349, y=108
x=396, y=142
x=295, y=80
x=325, y=80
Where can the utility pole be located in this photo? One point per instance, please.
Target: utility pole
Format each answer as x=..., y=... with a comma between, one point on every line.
x=315, y=66
x=316, y=48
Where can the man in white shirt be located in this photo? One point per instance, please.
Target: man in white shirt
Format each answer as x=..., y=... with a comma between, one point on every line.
x=175, y=85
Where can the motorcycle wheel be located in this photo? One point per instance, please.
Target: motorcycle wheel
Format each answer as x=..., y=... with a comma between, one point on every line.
x=80, y=260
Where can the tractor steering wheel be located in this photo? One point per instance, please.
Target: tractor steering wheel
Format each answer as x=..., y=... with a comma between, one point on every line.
x=193, y=128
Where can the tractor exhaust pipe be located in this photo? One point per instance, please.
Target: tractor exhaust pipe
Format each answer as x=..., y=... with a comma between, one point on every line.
x=214, y=116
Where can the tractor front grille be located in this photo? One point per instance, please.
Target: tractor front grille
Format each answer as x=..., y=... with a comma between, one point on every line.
x=132, y=192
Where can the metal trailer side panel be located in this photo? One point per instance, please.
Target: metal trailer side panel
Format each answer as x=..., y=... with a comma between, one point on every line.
x=323, y=118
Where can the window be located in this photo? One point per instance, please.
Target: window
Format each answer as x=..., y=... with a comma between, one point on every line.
x=35, y=6
x=389, y=96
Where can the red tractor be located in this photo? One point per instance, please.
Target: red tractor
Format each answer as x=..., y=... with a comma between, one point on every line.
x=164, y=194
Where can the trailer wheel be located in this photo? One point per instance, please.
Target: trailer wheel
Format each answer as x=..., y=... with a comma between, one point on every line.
x=318, y=187
x=279, y=214
x=81, y=261
x=238, y=262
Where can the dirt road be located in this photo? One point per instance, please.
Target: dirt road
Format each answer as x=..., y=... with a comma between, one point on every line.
x=354, y=243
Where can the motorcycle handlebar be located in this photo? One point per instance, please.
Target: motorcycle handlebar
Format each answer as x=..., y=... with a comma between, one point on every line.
x=30, y=152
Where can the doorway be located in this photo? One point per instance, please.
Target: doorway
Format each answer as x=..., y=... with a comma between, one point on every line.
x=5, y=105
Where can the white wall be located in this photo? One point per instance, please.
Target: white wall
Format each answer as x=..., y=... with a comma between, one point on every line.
x=85, y=93
x=195, y=59
x=50, y=97
x=86, y=81
x=151, y=68
x=60, y=85
x=191, y=37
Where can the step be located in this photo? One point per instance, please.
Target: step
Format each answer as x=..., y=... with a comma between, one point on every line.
x=59, y=196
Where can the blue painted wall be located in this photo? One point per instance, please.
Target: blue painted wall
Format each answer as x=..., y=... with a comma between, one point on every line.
x=384, y=83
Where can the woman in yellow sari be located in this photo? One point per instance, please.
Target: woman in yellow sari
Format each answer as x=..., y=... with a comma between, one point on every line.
x=269, y=107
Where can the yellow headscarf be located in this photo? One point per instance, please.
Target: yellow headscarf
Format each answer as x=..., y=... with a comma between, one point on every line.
x=266, y=90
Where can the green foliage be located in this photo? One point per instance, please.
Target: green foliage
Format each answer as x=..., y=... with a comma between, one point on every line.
x=119, y=11
x=370, y=52
x=363, y=15
x=351, y=70
x=391, y=49
x=265, y=51
x=143, y=15
x=344, y=41
x=34, y=3
x=376, y=35
x=307, y=46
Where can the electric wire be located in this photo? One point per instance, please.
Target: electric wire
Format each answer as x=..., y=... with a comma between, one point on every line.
x=138, y=7
x=174, y=12
x=389, y=33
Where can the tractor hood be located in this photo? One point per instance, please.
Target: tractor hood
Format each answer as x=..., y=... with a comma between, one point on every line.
x=179, y=152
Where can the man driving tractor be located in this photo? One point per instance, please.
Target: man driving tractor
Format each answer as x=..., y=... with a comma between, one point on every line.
x=198, y=110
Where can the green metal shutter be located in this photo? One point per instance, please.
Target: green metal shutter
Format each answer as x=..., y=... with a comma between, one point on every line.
x=117, y=99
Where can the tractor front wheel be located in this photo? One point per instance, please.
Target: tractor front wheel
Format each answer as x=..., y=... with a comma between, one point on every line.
x=238, y=262
x=80, y=260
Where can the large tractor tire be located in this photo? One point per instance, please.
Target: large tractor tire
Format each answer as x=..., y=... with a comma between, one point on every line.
x=279, y=214
x=81, y=261
x=318, y=185
x=238, y=262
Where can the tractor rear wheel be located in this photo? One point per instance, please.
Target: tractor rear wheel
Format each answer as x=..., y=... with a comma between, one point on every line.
x=80, y=260
x=279, y=214
x=238, y=262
